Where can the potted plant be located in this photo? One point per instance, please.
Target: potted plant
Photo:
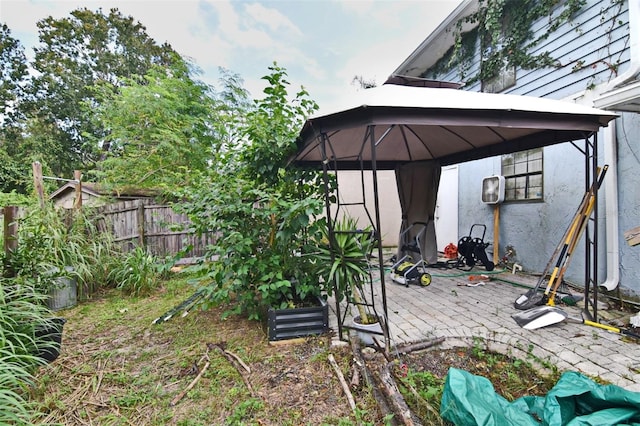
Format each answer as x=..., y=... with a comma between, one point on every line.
x=343, y=255
x=262, y=210
x=299, y=309
x=263, y=267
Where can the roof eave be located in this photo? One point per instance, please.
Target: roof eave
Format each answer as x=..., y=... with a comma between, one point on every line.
x=438, y=42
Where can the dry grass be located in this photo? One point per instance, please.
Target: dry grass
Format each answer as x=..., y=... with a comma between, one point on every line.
x=116, y=368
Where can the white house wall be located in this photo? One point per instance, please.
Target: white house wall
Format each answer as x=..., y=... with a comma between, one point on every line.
x=598, y=36
x=350, y=192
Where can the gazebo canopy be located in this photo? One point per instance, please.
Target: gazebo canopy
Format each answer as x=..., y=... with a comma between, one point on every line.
x=452, y=126
x=416, y=129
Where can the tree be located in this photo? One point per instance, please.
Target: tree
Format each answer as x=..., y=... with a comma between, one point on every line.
x=261, y=210
x=159, y=130
x=81, y=52
x=272, y=128
x=13, y=74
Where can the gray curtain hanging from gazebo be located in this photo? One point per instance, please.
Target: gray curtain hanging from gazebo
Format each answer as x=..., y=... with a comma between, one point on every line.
x=418, y=189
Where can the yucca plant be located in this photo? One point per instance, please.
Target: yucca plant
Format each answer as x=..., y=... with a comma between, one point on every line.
x=344, y=262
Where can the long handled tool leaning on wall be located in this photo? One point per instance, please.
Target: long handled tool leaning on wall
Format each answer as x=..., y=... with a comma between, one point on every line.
x=568, y=242
x=532, y=298
x=581, y=224
x=542, y=316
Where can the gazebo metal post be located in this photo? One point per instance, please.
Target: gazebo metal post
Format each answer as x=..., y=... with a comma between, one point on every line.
x=374, y=172
x=327, y=205
x=591, y=232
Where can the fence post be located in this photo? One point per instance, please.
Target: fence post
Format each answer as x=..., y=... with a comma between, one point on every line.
x=77, y=202
x=10, y=232
x=38, y=181
x=141, y=225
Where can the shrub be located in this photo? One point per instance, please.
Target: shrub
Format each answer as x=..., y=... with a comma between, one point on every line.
x=136, y=273
x=56, y=243
x=21, y=313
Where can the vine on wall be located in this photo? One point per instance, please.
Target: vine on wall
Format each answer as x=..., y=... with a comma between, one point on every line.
x=504, y=36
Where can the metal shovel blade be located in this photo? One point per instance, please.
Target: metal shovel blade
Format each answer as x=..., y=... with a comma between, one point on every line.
x=540, y=316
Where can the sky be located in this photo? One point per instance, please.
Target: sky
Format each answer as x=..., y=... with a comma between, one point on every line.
x=322, y=44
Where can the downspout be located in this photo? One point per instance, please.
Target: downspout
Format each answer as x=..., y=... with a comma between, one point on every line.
x=611, y=154
x=611, y=208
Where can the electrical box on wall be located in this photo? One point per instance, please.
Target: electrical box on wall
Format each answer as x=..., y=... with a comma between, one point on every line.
x=493, y=190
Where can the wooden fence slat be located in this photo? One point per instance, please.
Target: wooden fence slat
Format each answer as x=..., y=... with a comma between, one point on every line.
x=153, y=226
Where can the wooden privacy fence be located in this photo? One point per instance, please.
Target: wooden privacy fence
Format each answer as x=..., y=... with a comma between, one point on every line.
x=133, y=223
x=158, y=228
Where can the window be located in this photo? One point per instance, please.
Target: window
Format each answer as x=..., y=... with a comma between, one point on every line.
x=493, y=58
x=522, y=173
x=505, y=79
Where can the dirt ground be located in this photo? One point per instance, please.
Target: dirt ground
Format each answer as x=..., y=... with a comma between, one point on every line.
x=116, y=368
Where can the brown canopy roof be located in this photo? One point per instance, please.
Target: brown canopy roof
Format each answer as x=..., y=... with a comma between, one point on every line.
x=425, y=123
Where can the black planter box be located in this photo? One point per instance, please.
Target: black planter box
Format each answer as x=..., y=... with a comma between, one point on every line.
x=49, y=339
x=298, y=322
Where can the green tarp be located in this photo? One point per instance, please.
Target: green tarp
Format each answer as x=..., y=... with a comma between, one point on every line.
x=575, y=400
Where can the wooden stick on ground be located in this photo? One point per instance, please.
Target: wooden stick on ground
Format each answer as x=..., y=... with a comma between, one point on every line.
x=405, y=349
x=231, y=360
x=398, y=404
x=181, y=395
x=355, y=377
x=367, y=375
x=343, y=382
x=240, y=361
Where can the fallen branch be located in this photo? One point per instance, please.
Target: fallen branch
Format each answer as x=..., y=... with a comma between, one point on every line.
x=420, y=345
x=343, y=382
x=355, y=377
x=398, y=404
x=231, y=360
x=237, y=358
x=361, y=365
x=181, y=395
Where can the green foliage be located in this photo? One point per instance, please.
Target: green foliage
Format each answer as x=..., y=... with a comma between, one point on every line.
x=55, y=243
x=76, y=53
x=245, y=411
x=263, y=213
x=20, y=314
x=343, y=264
x=262, y=249
x=13, y=72
x=136, y=273
x=14, y=199
x=502, y=34
x=157, y=130
x=272, y=128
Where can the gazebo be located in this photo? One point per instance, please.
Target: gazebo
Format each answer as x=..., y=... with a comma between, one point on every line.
x=418, y=128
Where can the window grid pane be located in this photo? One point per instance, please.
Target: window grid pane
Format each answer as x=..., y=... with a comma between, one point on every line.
x=523, y=175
